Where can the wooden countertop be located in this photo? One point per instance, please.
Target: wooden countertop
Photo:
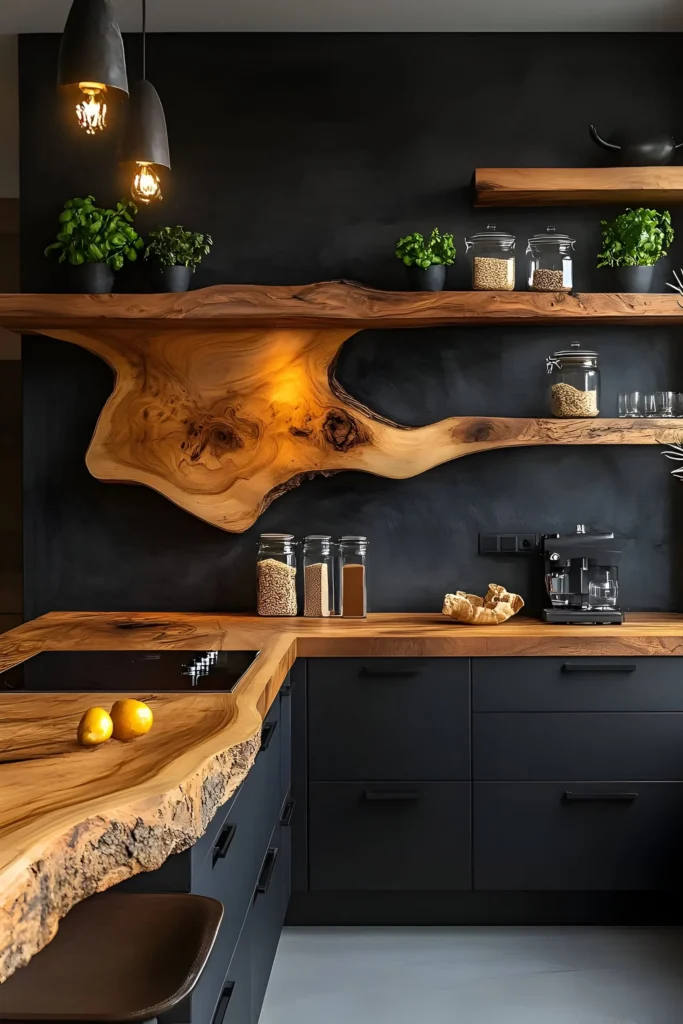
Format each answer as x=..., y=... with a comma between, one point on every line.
x=74, y=821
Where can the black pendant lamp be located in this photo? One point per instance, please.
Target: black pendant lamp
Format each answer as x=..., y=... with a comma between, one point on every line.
x=145, y=141
x=92, y=59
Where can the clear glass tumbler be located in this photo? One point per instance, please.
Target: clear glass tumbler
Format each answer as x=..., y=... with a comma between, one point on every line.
x=665, y=404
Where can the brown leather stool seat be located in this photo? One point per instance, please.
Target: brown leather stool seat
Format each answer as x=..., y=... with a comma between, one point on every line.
x=117, y=957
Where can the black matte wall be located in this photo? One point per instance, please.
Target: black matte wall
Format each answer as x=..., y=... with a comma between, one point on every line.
x=306, y=156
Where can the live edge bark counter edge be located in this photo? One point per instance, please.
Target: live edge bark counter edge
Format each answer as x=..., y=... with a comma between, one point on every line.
x=73, y=822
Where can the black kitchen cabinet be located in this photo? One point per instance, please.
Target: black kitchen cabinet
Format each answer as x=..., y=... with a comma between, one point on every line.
x=408, y=836
x=545, y=746
x=234, y=1004
x=577, y=684
x=578, y=836
x=267, y=915
x=388, y=719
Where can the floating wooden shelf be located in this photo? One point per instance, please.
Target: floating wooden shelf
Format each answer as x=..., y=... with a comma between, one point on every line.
x=577, y=186
x=329, y=304
x=226, y=398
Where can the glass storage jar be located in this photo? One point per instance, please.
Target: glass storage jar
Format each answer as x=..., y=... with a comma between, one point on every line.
x=352, y=561
x=493, y=260
x=276, y=574
x=551, y=266
x=575, y=390
x=318, y=561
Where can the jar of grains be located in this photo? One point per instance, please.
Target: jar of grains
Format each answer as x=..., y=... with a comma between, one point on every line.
x=493, y=260
x=550, y=262
x=575, y=391
x=318, y=576
x=352, y=559
x=276, y=574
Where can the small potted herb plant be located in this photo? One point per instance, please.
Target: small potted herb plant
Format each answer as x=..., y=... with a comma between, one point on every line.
x=426, y=260
x=95, y=242
x=176, y=254
x=632, y=244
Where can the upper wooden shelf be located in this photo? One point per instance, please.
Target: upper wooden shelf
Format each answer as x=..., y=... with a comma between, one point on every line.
x=328, y=304
x=577, y=186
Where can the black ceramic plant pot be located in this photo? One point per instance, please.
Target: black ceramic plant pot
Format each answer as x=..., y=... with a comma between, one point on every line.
x=634, y=279
x=427, y=279
x=174, y=279
x=92, y=279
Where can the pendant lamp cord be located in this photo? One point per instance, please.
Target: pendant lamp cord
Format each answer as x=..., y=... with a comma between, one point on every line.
x=144, y=39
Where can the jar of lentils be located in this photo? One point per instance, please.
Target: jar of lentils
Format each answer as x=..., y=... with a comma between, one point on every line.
x=493, y=260
x=276, y=574
x=551, y=267
x=575, y=387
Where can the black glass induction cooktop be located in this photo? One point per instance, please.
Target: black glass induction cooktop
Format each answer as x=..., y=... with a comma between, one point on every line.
x=129, y=671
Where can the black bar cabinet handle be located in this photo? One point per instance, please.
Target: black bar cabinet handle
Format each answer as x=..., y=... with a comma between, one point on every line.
x=380, y=795
x=267, y=735
x=223, y=843
x=286, y=818
x=599, y=668
x=620, y=797
x=223, y=1003
x=266, y=875
x=387, y=673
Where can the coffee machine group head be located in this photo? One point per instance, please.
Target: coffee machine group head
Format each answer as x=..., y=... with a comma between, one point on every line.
x=581, y=578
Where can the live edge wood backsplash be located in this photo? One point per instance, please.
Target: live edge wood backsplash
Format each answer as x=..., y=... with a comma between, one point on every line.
x=306, y=156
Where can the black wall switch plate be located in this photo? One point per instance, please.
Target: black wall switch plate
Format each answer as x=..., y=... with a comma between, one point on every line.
x=508, y=544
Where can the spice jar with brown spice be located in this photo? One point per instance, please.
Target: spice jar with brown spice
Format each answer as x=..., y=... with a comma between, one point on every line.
x=352, y=560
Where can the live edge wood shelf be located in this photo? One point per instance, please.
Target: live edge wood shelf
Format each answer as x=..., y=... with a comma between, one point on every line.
x=577, y=186
x=226, y=397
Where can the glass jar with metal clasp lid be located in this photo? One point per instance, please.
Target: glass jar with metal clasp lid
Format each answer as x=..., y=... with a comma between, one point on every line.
x=493, y=259
x=276, y=574
x=551, y=265
x=575, y=387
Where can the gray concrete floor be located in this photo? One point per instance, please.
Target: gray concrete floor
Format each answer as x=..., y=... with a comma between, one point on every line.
x=558, y=975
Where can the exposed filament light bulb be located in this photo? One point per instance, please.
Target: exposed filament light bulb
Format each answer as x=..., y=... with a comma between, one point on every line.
x=146, y=183
x=92, y=110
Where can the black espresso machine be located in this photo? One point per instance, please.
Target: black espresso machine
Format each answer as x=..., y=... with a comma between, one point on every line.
x=581, y=578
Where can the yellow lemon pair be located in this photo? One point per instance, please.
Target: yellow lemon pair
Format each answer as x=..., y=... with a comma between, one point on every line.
x=126, y=720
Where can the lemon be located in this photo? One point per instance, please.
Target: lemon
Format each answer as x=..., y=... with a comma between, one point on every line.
x=94, y=727
x=131, y=718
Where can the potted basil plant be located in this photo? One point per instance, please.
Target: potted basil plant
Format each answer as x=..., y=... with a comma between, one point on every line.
x=176, y=254
x=426, y=259
x=632, y=244
x=95, y=241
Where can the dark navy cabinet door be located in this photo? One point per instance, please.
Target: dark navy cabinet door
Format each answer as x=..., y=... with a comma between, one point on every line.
x=399, y=836
x=546, y=746
x=577, y=684
x=581, y=836
x=388, y=718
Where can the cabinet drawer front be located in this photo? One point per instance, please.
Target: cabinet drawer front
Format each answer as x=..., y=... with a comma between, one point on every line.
x=568, y=835
x=543, y=747
x=370, y=836
x=388, y=718
x=577, y=684
x=267, y=914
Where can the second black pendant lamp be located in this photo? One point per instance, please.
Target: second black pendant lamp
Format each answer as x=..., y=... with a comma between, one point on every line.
x=145, y=140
